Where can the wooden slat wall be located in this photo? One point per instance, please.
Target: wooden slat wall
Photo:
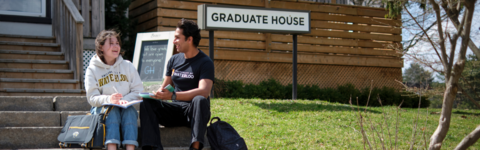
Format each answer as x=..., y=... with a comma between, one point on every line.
x=341, y=35
x=94, y=17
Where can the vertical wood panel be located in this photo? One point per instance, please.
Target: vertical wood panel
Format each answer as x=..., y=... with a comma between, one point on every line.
x=77, y=4
x=96, y=17
x=67, y=27
x=79, y=52
x=54, y=21
x=71, y=44
x=86, y=17
x=102, y=15
x=62, y=26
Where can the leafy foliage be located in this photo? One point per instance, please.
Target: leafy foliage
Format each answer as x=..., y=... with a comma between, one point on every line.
x=417, y=76
x=394, y=8
x=116, y=18
x=272, y=89
x=470, y=82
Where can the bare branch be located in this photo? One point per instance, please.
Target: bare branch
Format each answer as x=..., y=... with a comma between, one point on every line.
x=418, y=115
x=428, y=37
x=371, y=86
x=453, y=15
x=405, y=86
x=396, y=126
x=418, y=36
x=469, y=140
x=454, y=41
x=379, y=137
x=442, y=40
x=364, y=135
x=386, y=125
x=460, y=64
x=424, y=130
x=426, y=63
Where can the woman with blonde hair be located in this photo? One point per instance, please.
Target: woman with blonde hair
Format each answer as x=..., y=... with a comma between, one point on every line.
x=111, y=79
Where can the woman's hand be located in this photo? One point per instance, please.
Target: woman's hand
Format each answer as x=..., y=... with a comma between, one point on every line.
x=115, y=98
x=121, y=102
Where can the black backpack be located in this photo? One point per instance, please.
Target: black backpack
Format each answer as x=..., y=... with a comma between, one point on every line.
x=222, y=136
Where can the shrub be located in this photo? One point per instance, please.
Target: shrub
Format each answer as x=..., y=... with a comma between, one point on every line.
x=272, y=89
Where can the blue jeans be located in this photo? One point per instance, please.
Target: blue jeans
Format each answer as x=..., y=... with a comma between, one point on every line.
x=124, y=118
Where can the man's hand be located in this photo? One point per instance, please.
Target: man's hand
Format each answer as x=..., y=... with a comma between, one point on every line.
x=115, y=98
x=162, y=94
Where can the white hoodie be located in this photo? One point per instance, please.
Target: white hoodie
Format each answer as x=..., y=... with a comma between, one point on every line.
x=100, y=80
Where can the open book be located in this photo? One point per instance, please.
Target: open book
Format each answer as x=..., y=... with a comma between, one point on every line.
x=149, y=95
x=124, y=105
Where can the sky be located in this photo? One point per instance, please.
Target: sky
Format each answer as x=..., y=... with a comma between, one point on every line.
x=424, y=49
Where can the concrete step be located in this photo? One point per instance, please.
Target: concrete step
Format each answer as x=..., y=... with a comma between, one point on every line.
x=36, y=73
x=165, y=148
x=71, y=103
x=26, y=103
x=30, y=119
x=37, y=55
x=33, y=64
x=46, y=137
x=46, y=103
x=80, y=93
x=29, y=137
x=39, y=80
x=39, y=83
x=27, y=38
x=41, y=92
x=75, y=103
x=36, y=118
x=30, y=46
x=64, y=115
x=53, y=91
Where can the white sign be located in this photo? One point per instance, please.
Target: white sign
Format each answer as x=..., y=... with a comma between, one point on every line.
x=213, y=17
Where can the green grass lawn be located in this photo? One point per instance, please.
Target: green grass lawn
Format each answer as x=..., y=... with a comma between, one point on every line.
x=315, y=124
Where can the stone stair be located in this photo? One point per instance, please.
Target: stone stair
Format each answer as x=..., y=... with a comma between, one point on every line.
x=35, y=66
x=28, y=122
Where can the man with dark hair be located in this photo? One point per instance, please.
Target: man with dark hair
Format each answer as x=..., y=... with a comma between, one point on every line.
x=192, y=74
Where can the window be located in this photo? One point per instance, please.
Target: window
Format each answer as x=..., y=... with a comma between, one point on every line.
x=31, y=8
x=28, y=11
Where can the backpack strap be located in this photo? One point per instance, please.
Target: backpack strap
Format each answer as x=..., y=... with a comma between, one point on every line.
x=211, y=120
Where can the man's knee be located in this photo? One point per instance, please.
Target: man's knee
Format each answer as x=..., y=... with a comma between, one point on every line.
x=147, y=102
x=199, y=99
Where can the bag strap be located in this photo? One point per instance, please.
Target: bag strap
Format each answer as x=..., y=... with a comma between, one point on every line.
x=211, y=120
x=109, y=108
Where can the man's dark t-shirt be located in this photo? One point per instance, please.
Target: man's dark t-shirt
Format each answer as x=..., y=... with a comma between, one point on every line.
x=186, y=73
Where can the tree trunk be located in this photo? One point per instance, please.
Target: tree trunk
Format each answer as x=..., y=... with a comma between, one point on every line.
x=469, y=140
x=452, y=79
x=444, y=122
